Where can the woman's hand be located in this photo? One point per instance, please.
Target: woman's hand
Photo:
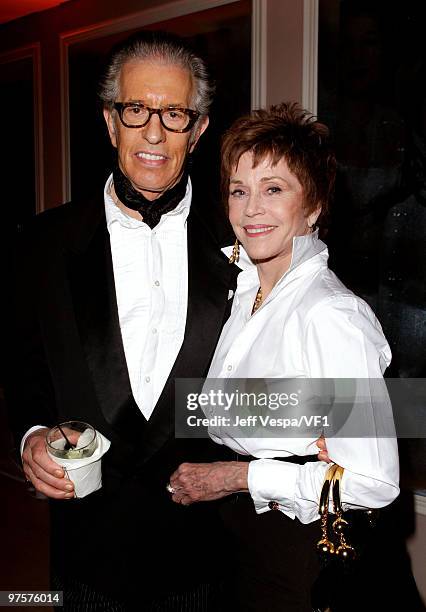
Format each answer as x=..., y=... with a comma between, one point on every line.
x=323, y=454
x=194, y=482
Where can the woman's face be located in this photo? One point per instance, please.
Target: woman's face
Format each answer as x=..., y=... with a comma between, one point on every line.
x=266, y=210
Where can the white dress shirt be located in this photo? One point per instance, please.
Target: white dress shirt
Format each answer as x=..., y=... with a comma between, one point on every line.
x=151, y=283
x=309, y=326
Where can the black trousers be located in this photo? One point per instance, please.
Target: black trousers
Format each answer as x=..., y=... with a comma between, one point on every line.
x=276, y=562
x=80, y=597
x=276, y=568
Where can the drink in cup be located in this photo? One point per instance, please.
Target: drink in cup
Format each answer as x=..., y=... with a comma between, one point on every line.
x=73, y=446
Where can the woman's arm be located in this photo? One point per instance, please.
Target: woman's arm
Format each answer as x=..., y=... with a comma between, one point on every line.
x=193, y=482
x=342, y=339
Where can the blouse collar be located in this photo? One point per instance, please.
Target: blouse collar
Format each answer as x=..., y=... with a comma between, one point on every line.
x=304, y=248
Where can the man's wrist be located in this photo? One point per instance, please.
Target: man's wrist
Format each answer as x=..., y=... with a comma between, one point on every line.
x=31, y=431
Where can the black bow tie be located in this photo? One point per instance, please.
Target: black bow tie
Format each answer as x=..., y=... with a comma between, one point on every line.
x=151, y=210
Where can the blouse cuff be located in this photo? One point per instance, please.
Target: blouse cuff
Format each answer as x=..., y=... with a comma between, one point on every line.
x=270, y=480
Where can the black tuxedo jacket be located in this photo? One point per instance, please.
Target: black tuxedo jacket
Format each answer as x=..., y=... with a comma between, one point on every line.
x=70, y=363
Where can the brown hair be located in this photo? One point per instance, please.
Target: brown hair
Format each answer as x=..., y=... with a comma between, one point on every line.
x=290, y=132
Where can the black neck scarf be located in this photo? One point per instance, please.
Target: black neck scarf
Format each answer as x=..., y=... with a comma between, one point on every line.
x=151, y=210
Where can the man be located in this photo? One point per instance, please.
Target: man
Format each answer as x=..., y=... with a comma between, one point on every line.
x=117, y=297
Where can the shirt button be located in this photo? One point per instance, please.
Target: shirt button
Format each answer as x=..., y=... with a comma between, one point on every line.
x=147, y=379
x=154, y=331
x=273, y=505
x=157, y=283
x=229, y=368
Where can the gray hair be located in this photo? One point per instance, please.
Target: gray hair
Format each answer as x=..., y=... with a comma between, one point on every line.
x=164, y=48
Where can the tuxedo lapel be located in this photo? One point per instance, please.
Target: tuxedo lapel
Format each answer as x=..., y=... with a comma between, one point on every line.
x=209, y=279
x=91, y=280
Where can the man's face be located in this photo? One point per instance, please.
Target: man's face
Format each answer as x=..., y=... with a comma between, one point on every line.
x=151, y=157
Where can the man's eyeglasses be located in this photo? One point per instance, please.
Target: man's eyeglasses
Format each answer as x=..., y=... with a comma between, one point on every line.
x=136, y=115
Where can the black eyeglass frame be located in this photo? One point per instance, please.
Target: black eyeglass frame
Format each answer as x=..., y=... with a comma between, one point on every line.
x=192, y=114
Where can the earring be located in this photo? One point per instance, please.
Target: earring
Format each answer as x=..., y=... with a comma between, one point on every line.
x=235, y=255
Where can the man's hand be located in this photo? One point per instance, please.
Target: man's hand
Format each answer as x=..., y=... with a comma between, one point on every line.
x=194, y=482
x=46, y=476
x=323, y=454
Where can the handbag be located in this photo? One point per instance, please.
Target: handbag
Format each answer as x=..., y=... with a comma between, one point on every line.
x=365, y=565
x=336, y=552
x=340, y=525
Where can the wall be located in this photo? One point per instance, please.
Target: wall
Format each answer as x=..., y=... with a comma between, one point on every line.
x=280, y=31
x=284, y=76
x=45, y=28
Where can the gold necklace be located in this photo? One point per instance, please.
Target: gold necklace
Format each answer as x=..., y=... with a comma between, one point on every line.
x=257, y=301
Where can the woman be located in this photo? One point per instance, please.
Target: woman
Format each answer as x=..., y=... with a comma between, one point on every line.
x=291, y=318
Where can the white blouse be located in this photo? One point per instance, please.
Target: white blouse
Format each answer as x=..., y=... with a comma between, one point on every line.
x=309, y=326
